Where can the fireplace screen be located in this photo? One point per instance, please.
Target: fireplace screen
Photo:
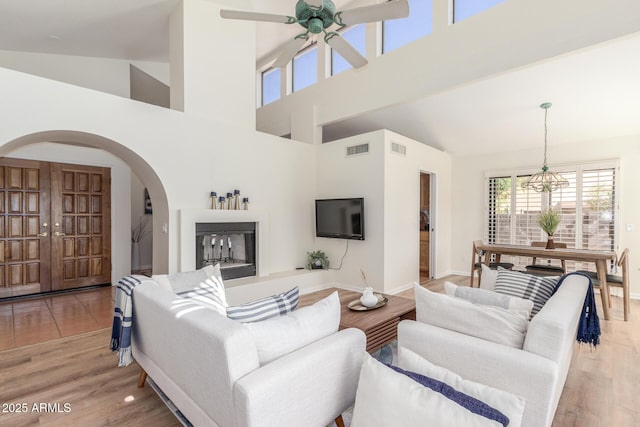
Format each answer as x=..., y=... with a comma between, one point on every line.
x=230, y=244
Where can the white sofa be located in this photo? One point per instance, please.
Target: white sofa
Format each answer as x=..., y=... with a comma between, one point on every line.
x=537, y=372
x=208, y=366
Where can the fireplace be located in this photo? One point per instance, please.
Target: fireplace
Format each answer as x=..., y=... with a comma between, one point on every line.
x=230, y=244
x=196, y=224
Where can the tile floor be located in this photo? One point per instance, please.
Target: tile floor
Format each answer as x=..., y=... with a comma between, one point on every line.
x=43, y=319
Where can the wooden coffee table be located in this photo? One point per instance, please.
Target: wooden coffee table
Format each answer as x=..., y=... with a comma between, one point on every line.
x=380, y=325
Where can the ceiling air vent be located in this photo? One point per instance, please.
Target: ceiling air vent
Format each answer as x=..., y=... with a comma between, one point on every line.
x=399, y=148
x=355, y=150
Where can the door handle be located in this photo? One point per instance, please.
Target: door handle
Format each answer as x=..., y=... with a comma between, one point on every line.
x=59, y=234
x=43, y=234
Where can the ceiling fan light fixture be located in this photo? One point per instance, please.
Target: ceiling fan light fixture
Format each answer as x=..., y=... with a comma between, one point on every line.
x=316, y=16
x=545, y=181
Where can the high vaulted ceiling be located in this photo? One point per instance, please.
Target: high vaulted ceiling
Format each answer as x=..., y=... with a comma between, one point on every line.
x=595, y=92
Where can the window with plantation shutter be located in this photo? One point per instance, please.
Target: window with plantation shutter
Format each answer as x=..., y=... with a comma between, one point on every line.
x=587, y=207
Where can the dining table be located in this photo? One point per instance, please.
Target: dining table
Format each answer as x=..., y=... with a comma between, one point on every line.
x=599, y=258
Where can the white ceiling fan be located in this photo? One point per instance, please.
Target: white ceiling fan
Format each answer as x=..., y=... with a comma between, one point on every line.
x=316, y=16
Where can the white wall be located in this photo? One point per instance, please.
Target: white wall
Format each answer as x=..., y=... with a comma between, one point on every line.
x=120, y=188
x=190, y=155
x=355, y=176
x=469, y=192
x=511, y=35
x=214, y=61
x=402, y=206
x=104, y=74
x=390, y=185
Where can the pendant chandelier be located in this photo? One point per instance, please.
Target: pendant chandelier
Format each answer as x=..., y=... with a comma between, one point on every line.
x=545, y=180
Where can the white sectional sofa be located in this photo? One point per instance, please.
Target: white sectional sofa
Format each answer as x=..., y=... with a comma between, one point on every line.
x=537, y=372
x=208, y=366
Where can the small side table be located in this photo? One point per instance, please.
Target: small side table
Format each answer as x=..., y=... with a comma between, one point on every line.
x=380, y=325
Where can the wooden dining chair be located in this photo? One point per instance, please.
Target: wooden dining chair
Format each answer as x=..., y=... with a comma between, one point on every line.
x=615, y=280
x=477, y=260
x=547, y=269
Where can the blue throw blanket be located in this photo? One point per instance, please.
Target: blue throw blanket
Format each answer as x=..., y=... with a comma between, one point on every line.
x=122, y=316
x=589, y=325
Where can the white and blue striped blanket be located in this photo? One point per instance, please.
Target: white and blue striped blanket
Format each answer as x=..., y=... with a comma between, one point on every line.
x=122, y=317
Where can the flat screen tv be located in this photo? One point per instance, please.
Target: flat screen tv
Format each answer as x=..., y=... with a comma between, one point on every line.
x=340, y=218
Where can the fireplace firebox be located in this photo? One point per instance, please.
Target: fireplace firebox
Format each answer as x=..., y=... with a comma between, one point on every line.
x=230, y=244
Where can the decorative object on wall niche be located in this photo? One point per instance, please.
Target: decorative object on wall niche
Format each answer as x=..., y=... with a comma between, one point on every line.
x=221, y=203
x=245, y=203
x=549, y=221
x=147, y=202
x=229, y=201
x=545, y=181
x=317, y=260
x=236, y=199
x=214, y=199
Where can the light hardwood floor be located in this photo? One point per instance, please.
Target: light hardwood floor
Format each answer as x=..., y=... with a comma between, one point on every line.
x=602, y=389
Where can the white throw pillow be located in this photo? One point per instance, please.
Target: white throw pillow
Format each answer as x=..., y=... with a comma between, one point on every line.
x=486, y=297
x=535, y=288
x=386, y=398
x=278, y=336
x=488, y=278
x=487, y=322
x=202, y=286
x=507, y=403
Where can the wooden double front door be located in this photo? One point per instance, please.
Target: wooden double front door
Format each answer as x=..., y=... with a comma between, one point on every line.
x=55, y=226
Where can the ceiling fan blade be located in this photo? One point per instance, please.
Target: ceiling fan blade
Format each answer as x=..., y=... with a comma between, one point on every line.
x=315, y=3
x=348, y=52
x=253, y=16
x=377, y=12
x=291, y=48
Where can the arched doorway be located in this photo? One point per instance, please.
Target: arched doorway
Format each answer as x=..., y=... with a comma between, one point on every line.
x=121, y=230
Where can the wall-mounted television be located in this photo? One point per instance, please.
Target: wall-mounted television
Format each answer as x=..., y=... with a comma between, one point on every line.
x=340, y=218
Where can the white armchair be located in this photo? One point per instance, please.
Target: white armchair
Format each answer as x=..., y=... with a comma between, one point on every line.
x=208, y=366
x=537, y=372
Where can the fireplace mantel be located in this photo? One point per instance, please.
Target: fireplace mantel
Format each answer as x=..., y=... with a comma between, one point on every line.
x=189, y=218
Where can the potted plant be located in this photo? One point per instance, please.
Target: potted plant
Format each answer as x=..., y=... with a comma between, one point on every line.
x=317, y=260
x=549, y=220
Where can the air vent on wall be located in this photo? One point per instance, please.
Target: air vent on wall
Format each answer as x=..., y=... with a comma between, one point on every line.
x=354, y=150
x=399, y=148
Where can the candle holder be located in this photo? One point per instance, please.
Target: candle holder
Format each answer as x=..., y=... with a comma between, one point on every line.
x=221, y=203
x=213, y=197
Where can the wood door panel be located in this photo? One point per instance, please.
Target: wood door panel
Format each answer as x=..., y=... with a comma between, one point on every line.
x=82, y=203
x=15, y=202
x=67, y=203
x=32, y=250
x=83, y=182
x=32, y=205
x=32, y=273
x=15, y=275
x=14, y=178
x=84, y=215
x=84, y=225
x=14, y=250
x=55, y=225
x=15, y=226
x=33, y=226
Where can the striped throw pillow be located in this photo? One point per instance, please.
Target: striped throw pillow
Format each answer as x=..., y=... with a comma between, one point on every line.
x=265, y=308
x=535, y=288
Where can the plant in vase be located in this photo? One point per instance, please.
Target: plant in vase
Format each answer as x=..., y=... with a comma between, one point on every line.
x=317, y=260
x=138, y=233
x=549, y=220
